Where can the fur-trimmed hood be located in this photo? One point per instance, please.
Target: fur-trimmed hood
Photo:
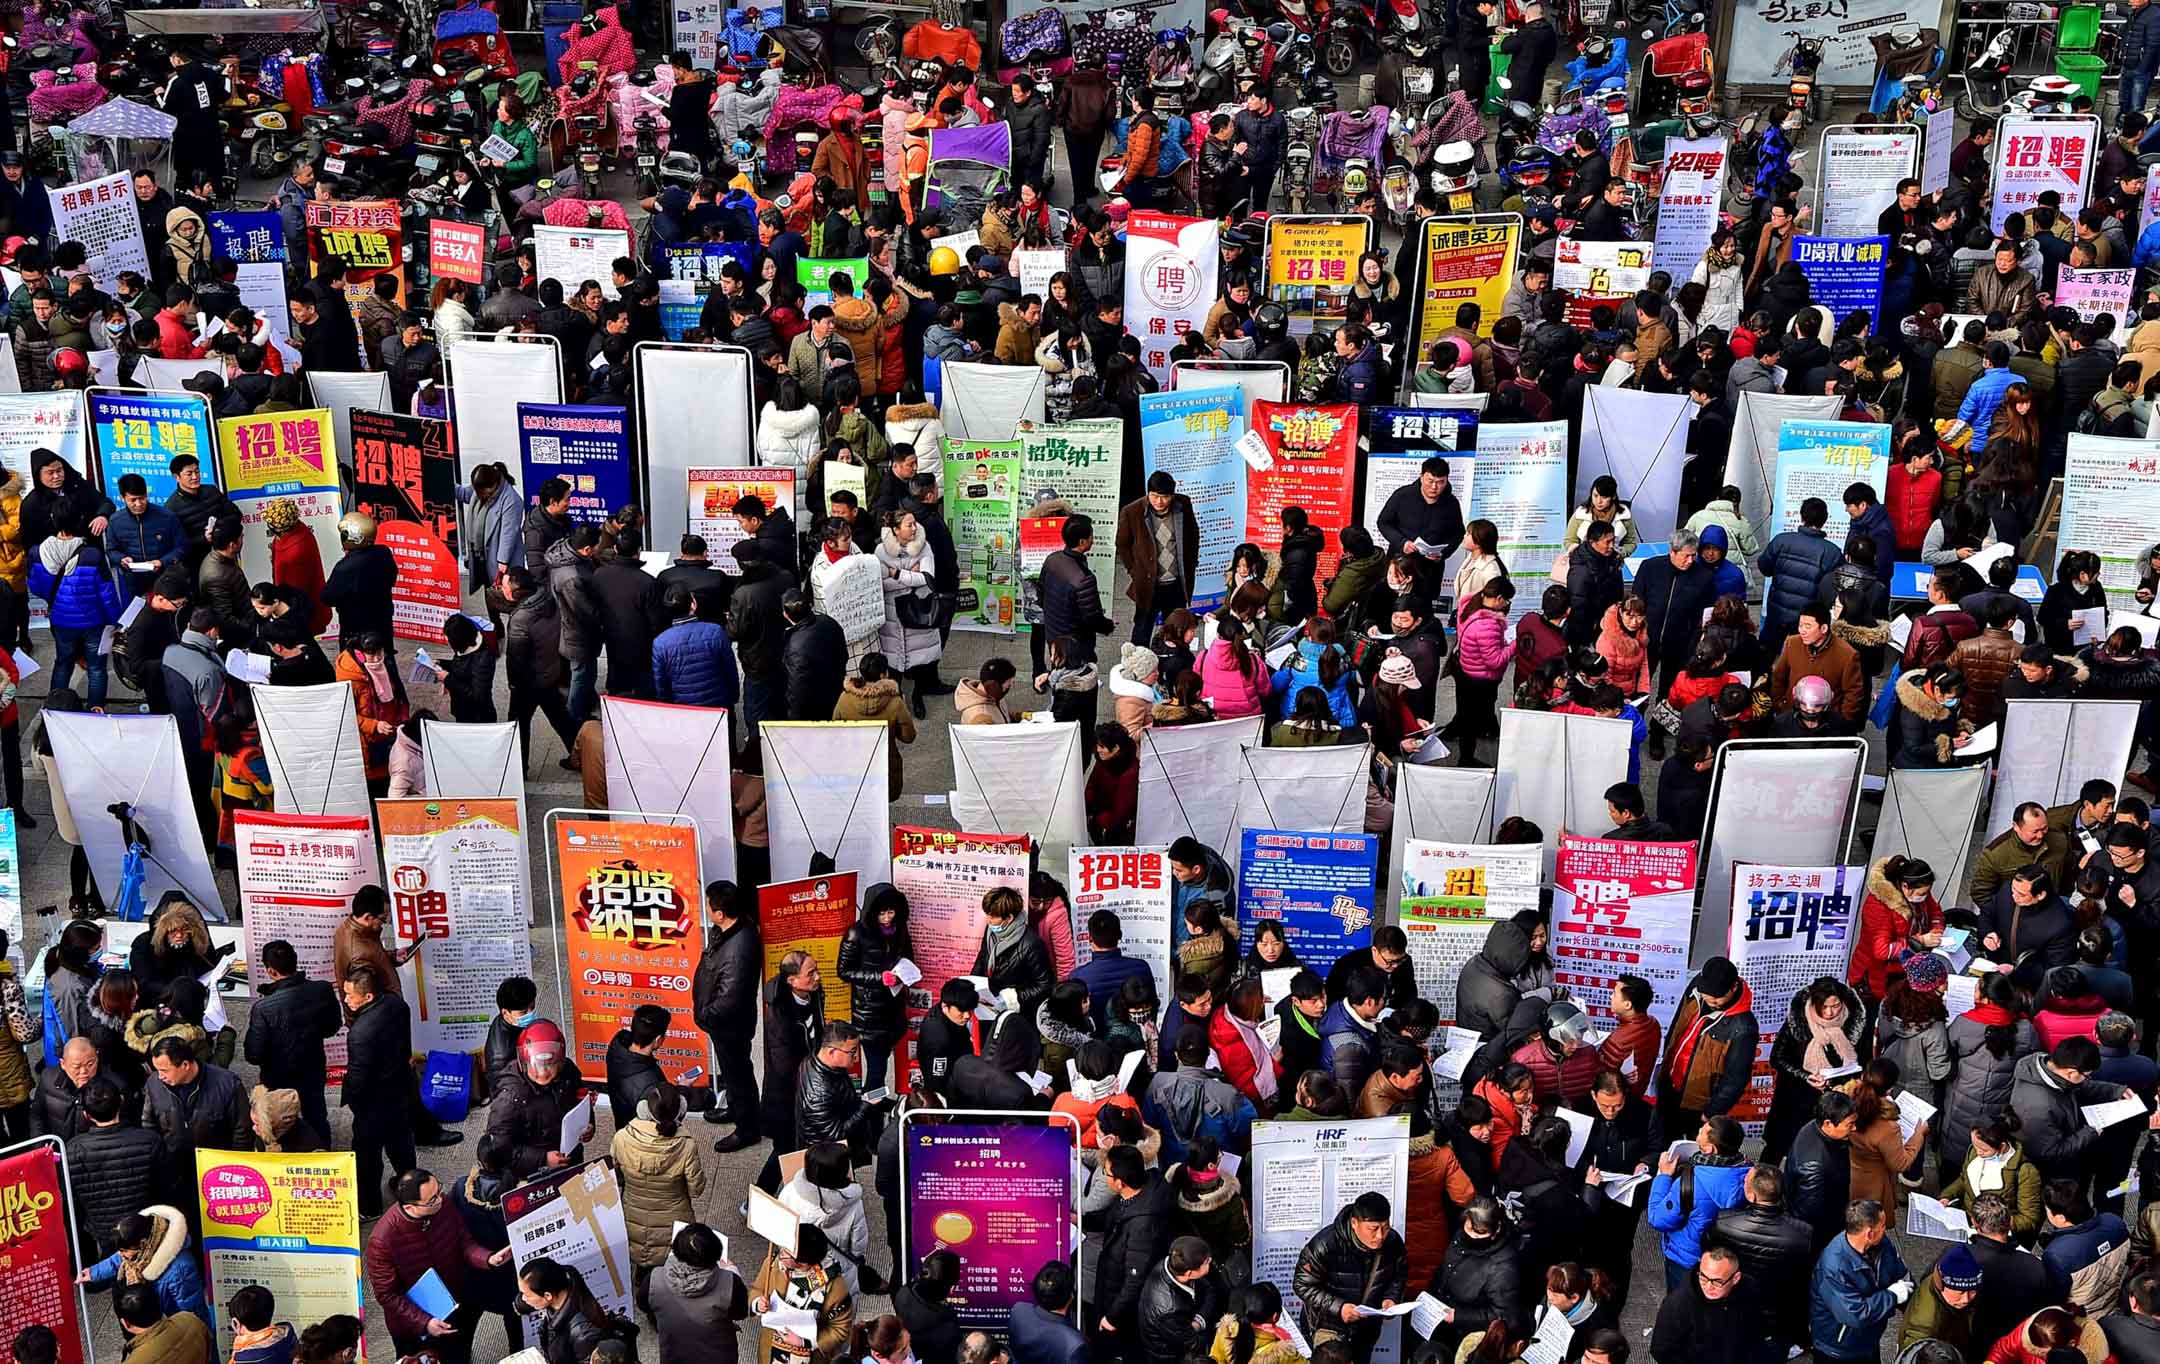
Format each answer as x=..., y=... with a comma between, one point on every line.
x=1911, y=696
x=876, y=693
x=146, y=1029
x=1860, y=636
x=1211, y=1198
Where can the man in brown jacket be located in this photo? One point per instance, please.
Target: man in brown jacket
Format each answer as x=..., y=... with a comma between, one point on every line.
x=1986, y=659
x=1774, y=247
x=1158, y=546
x=1812, y=651
x=359, y=939
x=2007, y=288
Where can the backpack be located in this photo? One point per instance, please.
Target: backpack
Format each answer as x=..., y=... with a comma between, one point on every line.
x=2100, y=414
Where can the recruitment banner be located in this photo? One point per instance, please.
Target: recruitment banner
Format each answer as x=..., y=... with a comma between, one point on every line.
x=2089, y=293
x=1522, y=489
x=37, y=1245
x=53, y=421
x=11, y=909
x=1448, y=898
x=1823, y=459
x=405, y=475
x=1318, y=886
x=573, y=1216
x=700, y=28
x=250, y=237
x=1789, y=926
x=945, y=876
x=1302, y=1174
x=689, y=275
x=815, y=276
x=1134, y=885
x=982, y=508
x=1035, y=267
x=2110, y=505
x=713, y=494
x=1622, y=907
x=1001, y=1197
x=366, y=235
x=101, y=214
x=457, y=250
x=1844, y=274
x=1311, y=264
x=1938, y=138
x=1466, y=261
x=1313, y=465
x=1398, y=441
x=631, y=898
x=457, y=877
x=1599, y=272
x=810, y=915
x=281, y=454
x=586, y=447
x=574, y=255
x=1192, y=434
x=2035, y=153
x=1171, y=265
x=298, y=875
x=143, y=433
x=1078, y=463
x=1860, y=172
x=289, y=1223
x=1688, y=203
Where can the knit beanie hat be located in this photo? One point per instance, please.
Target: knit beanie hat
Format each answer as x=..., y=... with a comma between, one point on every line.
x=1138, y=662
x=1960, y=1270
x=1926, y=972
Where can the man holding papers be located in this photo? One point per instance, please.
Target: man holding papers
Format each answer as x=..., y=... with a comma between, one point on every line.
x=418, y=1240
x=2049, y=1094
x=532, y=1101
x=1354, y=1263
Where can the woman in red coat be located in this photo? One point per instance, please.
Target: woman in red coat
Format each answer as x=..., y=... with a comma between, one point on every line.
x=1248, y=1062
x=1914, y=492
x=1900, y=914
x=296, y=560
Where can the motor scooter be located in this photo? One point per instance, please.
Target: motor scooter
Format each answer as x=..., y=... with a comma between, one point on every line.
x=1987, y=77
x=1298, y=147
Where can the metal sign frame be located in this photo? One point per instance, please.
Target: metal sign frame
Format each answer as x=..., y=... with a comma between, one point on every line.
x=1231, y=367
x=94, y=456
x=1912, y=162
x=557, y=945
x=450, y=381
x=641, y=454
x=1855, y=745
x=1010, y=1117
x=1416, y=331
x=1267, y=250
x=2085, y=175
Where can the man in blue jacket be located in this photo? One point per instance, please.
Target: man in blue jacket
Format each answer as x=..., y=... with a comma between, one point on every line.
x=1986, y=394
x=1872, y=519
x=1860, y=1283
x=1796, y=562
x=1686, y=1198
x=692, y=661
x=1107, y=966
x=1042, y=1331
x=1364, y=380
x=142, y=539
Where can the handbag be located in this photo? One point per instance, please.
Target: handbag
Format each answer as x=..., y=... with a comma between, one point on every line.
x=1665, y=715
x=916, y=611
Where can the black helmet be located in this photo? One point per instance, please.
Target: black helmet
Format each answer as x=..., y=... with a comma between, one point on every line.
x=1271, y=322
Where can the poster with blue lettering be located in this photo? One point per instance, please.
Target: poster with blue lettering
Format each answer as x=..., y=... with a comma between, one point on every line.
x=1401, y=439
x=1192, y=435
x=143, y=433
x=587, y=447
x=1843, y=273
x=691, y=274
x=1823, y=459
x=251, y=238
x=1318, y=886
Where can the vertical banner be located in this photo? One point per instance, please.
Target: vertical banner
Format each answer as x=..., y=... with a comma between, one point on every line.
x=251, y=237
x=631, y=899
x=1622, y=907
x=1844, y=274
x=810, y=915
x=1133, y=884
x=1688, y=202
x=1789, y=925
x=689, y=276
x=1641, y=440
x=999, y=1196
x=1467, y=260
x=457, y=250
x=281, y=454
x=1938, y=138
x=298, y=875
x=1078, y=463
x=1599, y=272
x=1822, y=459
x=1522, y=489
x=1398, y=441
x=53, y=421
x=2090, y=293
x=2051, y=748
x=366, y=235
x=101, y=215
x=700, y=28
x=1192, y=435
x=982, y=504
x=945, y=876
x=1170, y=269
x=290, y=1223
x=573, y=1216
x=143, y=433
x=713, y=494
x=1318, y=886
x=1781, y=803
x=587, y=447
x=11, y=909
x=405, y=475
x=1311, y=264
x=2110, y=504
x=576, y=254
x=1449, y=896
x=37, y=1245
x=1313, y=464
x=2035, y=153
x=1303, y=1173
x=456, y=873
x=1859, y=177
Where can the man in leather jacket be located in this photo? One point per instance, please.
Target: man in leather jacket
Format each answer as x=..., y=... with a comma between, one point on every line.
x=1818, y=1169
x=1179, y=1301
x=1776, y=1253
x=827, y=1106
x=1357, y=1260
x=724, y=1001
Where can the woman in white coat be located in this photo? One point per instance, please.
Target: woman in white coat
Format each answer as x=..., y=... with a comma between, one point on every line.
x=910, y=587
x=913, y=420
x=787, y=437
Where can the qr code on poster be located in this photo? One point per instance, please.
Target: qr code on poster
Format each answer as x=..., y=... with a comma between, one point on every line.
x=544, y=449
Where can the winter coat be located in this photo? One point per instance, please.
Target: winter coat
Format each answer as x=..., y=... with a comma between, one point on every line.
x=287, y=1026
x=1486, y=995
x=696, y=1312
x=1232, y=692
x=527, y=1117
x=2054, y=1131
x=1335, y=1269
x=72, y=579
x=401, y=1249
x=879, y=700
x=1850, y=1301
x=1136, y=549
x=1683, y=1214
x=1349, y=1047
x=2020, y=1188
x=730, y=971
x=2088, y=1263
x=1136, y=1232
x=112, y=1171
x=813, y=663
x=1482, y=1280
x=1626, y=653
x=1193, y=1101
x=1021, y=964
x=1880, y=1152
x=662, y=1180
x=789, y=440
x=910, y=573
x=1887, y=924
x=1797, y=561
x=359, y=590
x=867, y=955
x=1921, y=729
x=1980, y=1082
x=693, y=664
x=1594, y=584
x=973, y=707
x=828, y=1108
x=918, y=425
x=1723, y=1058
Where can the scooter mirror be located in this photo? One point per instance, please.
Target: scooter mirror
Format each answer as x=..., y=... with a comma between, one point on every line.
x=1506, y=84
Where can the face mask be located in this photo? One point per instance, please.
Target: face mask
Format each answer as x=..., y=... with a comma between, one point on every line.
x=1951, y=702
x=526, y=1020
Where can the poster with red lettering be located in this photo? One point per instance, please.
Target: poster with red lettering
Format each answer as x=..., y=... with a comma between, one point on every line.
x=405, y=476
x=1313, y=454
x=37, y=1251
x=1623, y=907
x=457, y=250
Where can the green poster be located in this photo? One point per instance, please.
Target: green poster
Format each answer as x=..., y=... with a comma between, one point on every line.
x=813, y=275
x=982, y=503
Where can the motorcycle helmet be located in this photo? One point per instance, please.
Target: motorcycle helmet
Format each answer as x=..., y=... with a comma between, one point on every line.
x=1270, y=322
x=1565, y=1023
x=70, y=363
x=1811, y=696
x=540, y=1043
x=944, y=261
x=1596, y=51
x=356, y=530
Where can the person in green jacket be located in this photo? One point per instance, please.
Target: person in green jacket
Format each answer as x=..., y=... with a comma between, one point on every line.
x=1363, y=564
x=1942, y=1304
x=511, y=127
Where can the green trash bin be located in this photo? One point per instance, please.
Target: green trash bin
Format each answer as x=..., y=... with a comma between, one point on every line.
x=2082, y=68
x=1494, y=95
x=2079, y=28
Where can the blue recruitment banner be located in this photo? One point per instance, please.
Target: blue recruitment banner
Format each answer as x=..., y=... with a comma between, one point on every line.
x=1823, y=459
x=1844, y=273
x=1421, y=431
x=587, y=447
x=1192, y=435
x=1320, y=887
x=252, y=238
x=691, y=274
x=1910, y=582
x=143, y=433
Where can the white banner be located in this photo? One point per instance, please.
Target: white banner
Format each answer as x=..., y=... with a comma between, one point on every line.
x=1134, y=884
x=1688, y=203
x=53, y=421
x=695, y=410
x=341, y=391
x=1440, y=805
x=456, y=872
x=1522, y=489
x=1449, y=894
x=826, y=793
x=472, y=760
x=311, y=742
x=1759, y=52
x=1790, y=925
x=2110, y=505
x=1785, y=802
x=1859, y=178
x=674, y=760
x=298, y=875
x=1929, y=813
x=1641, y=440
x=1188, y=780
x=854, y=596
x=2051, y=748
x=1938, y=138
x=1553, y=770
x=1299, y=790
x=575, y=1218
x=985, y=402
x=2035, y=153
x=101, y=215
x=1035, y=269
x=488, y=379
x=1170, y=269
x=1751, y=464
x=576, y=254
x=1303, y=1173
x=106, y=759
x=163, y=375
x=1012, y=779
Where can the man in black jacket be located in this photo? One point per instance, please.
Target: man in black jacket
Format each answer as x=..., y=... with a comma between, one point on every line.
x=2017, y=1283
x=1357, y=1260
x=814, y=660
x=1424, y=520
x=198, y=505
x=1136, y=1231
x=724, y=1001
x=1714, y=1318
x=709, y=587
x=292, y=1018
x=794, y=1005
x=2133, y=1334
x=945, y=1036
x=759, y=628
x=1776, y=1250
x=1030, y=120
x=191, y=1103
x=1072, y=608
x=933, y=1326
x=633, y=1065
x=526, y=1114
x=359, y=586
x=827, y=1106
x=1593, y=583
x=1818, y=1169
x=1179, y=1301
x=113, y=1167
x=378, y=1080
x=1480, y=1278
x=1677, y=588
x=57, y=1105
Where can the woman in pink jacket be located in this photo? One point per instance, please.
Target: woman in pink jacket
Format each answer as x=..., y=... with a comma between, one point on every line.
x=1624, y=644
x=1233, y=675
x=1482, y=655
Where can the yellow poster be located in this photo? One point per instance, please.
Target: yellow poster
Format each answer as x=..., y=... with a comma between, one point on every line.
x=288, y=1222
x=1311, y=264
x=1466, y=261
x=281, y=454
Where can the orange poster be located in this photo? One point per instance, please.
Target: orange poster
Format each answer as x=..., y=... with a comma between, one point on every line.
x=630, y=905
x=810, y=915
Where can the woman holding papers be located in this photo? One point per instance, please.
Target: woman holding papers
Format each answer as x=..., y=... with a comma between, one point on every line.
x=1899, y=915
x=1986, y=1043
x=572, y=1321
x=871, y=951
x=1823, y=1039
x=1996, y=1164
x=2064, y=624
x=1882, y=1145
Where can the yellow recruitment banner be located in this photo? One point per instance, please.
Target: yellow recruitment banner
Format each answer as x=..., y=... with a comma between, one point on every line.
x=1466, y=261
x=288, y=1222
x=281, y=455
x=1311, y=264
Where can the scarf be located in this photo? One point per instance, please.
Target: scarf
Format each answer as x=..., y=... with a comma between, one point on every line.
x=379, y=676
x=1828, y=1047
x=1263, y=1059
x=1984, y=1174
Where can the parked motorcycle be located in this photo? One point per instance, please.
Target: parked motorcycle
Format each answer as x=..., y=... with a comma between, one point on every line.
x=1801, y=99
x=1298, y=148
x=1987, y=77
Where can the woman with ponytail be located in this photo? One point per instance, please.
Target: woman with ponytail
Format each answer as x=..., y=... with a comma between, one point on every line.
x=1899, y=915
x=572, y=1322
x=1234, y=678
x=1986, y=1043
x=1251, y=1332
x=661, y=1181
x=1585, y=1298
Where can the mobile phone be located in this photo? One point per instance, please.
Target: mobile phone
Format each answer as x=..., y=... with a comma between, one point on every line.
x=692, y=1074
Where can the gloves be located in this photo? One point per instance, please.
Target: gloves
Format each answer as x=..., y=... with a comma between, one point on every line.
x=889, y=978
x=1901, y=1290
x=1923, y=248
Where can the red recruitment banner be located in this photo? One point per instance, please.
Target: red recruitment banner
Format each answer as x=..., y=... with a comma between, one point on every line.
x=630, y=902
x=457, y=251
x=1315, y=467
x=1622, y=907
x=37, y=1266
x=810, y=915
x=426, y=592
x=945, y=874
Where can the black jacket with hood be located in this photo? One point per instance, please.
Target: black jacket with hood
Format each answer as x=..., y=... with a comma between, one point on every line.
x=867, y=952
x=1486, y=995
x=43, y=509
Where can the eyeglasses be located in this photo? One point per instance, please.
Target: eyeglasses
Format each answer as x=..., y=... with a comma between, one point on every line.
x=1726, y=1282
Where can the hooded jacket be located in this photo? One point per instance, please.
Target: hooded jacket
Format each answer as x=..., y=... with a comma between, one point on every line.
x=1482, y=1280
x=1683, y=1205
x=2054, y=1130
x=1486, y=995
x=1722, y=1060
x=1980, y=1081
x=72, y=578
x=1922, y=729
x=696, y=1312
x=867, y=956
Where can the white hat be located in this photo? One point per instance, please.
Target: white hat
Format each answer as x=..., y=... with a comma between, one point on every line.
x=1399, y=670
